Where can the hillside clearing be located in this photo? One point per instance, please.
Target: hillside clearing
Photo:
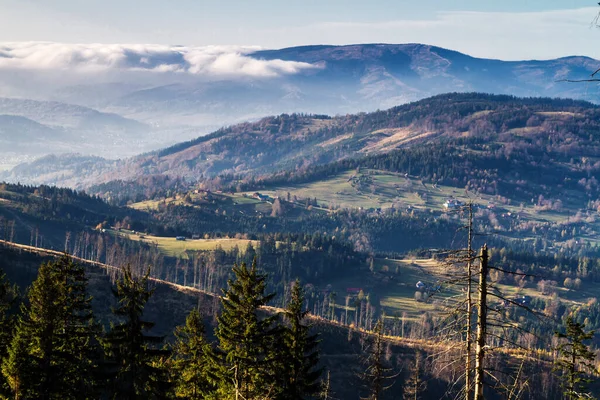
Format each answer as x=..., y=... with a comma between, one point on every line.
x=178, y=248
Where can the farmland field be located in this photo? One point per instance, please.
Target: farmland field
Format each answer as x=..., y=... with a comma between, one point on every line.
x=177, y=248
x=378, y=189
x=394, y=281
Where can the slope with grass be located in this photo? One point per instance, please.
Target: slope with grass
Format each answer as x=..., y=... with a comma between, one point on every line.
x=505, y=124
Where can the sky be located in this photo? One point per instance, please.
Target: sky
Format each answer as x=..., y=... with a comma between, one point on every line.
x=503, y=29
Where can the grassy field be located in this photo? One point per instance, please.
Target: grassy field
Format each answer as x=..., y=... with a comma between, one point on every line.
x=394, y=283
x=176, y=248
x=385, y=189
x=372, y=189
x=152, y=205
x=397, y=295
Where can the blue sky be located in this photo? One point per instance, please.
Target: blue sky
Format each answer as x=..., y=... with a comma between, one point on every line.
x=505, y=29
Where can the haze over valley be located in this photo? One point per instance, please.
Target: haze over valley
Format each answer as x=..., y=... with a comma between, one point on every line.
x=115, y=101
x=299, y=200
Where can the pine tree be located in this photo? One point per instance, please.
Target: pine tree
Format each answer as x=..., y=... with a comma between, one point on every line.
x=9, y=296
x=134, y=359
x=246, y=351
x=377, y=373
x=79, y=335
x=300, y=352
x=30, y=366
x=576, y=361
x=191, y=359
x=53, y=352
x=415, y=384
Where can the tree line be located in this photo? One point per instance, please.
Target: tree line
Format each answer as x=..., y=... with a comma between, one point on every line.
x=54, y=348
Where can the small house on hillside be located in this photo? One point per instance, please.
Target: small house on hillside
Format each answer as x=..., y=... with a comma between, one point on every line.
x=259, y=196
x=452, y=204
x=523, y=300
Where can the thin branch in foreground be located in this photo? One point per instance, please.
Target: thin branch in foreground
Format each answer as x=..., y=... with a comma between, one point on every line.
x=579, y=80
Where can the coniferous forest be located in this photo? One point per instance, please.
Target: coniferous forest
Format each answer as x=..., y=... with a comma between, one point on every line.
x=208, y=200
x=60, y=342
x=442, y=249
x=54, y=347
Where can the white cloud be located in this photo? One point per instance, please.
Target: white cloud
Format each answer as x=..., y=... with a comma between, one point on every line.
x=206, y=61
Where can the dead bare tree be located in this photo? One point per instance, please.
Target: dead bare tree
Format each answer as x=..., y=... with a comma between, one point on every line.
x=468, y=349
x=482, y=309
x=326, y=392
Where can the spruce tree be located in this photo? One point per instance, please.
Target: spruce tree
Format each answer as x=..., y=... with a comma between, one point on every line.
x=246, y=353
x=415, y=384
x=134, y=359
x=300, y=356
x=31, y=368
x=53, y=353
x=191, y=359
x=576, y=361
x=79, y=335
x=377, y=373
x=9, y=296
x=18, y=367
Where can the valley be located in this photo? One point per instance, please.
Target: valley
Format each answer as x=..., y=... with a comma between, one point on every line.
x=233, y=200
x=369, y=211
x=144, y=113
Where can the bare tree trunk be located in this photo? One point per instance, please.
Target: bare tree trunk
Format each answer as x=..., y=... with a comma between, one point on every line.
x=67, y=241
x=347, y=305
x=468, y=333
x=481, y=324
x=12, y=231
x=326, y=393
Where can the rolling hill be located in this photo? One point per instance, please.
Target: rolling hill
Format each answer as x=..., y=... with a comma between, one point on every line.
x=507, y=125
x=136, y=111
x=31, y=128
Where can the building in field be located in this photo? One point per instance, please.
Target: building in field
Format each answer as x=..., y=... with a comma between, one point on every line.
x=452, y=203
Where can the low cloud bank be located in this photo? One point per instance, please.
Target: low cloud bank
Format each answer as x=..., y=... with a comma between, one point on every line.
x=206, y=61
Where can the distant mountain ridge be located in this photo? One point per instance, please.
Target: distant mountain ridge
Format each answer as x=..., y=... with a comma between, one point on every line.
x=130, y=118
x=71, y=116
x=298, y=141
x=38, y=128
x=27, y=131
x=352, y=79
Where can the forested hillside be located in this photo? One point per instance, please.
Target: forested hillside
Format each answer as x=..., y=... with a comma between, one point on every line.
x=377, y=215
x=295, y=142
x=187, y=342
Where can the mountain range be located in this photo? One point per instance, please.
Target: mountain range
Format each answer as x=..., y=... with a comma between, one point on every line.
x=513, y=129
x=124, y=117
